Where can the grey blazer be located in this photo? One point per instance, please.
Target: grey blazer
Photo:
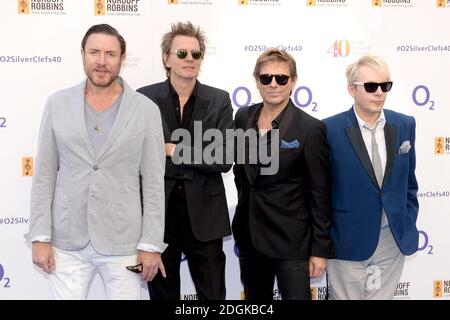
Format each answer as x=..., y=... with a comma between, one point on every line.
x=78, y=197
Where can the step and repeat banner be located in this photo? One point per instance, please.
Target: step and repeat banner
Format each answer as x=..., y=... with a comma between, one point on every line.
x=40, y=54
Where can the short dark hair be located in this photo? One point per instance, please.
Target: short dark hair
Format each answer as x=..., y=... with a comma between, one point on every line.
x=181, y=29
x=105, y=29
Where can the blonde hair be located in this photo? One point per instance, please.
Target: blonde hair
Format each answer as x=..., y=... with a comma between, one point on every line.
x=368, y=60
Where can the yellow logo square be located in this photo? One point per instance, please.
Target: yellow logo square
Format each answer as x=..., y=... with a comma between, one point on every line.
x=313, y=293
x=99, y=7
x=23, y=6
x=27, y=167
x=439, y=145
x=438, y=288
x=441, y=3
x=377, y=3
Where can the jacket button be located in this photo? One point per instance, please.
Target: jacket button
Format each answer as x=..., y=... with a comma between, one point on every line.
x=95, y=168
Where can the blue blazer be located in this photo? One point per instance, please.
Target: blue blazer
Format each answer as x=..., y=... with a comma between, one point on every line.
x=357, y=200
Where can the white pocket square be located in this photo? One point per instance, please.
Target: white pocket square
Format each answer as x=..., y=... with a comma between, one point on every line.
x=405, y=147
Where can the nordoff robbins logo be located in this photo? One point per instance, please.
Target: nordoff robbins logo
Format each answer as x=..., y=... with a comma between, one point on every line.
x=113, y=7
x=37, y=6
x=242, y=147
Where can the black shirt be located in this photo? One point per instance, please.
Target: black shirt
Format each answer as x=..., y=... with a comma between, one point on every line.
x=182, y=122
x=188, y=107
x=266, y=139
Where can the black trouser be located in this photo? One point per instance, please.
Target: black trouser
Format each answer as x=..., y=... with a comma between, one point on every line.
x=206, y=260
x=258, y=277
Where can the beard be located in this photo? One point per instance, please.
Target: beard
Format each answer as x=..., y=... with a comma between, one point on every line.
x=104, y=81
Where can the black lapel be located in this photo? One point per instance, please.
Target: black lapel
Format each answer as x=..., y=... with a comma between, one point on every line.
x=355, y=136
x=286, y=121
x=165, y=103
x=390, y=135
x=200, y=107
x=249, y=125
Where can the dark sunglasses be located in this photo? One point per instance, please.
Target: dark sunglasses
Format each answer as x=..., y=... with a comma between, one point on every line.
x=266, y=79
x=136, y=268
x=373, y=86
x=182, y=54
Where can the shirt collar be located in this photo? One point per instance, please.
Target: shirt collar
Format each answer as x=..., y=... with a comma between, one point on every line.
x=362, y=124
x=275, y=122
x=175, y=94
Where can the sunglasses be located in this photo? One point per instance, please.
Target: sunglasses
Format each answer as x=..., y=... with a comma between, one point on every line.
x=373, y=86
x=266, y=79
x=182, y=54
x=136, y=268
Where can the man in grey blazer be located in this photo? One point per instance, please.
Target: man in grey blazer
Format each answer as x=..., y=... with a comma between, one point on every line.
x=95, y=140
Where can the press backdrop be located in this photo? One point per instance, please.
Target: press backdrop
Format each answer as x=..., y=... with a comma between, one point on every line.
x=40, y=54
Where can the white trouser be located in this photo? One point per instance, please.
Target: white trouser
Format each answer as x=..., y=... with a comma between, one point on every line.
x=75, y=269
x=373, y=279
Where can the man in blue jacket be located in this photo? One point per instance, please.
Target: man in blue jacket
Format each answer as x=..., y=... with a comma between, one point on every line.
x=374, y=191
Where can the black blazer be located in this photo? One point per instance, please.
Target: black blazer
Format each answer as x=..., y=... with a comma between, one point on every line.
x=287, y=215
x=205, y=191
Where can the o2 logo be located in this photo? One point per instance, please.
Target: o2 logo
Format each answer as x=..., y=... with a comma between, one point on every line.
x=421, y=97
x=245, y=92
x=301, y=92
x=2, y=122
x=4, y=282
x=340, y=49
x=302, y=97
x=424, y=242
